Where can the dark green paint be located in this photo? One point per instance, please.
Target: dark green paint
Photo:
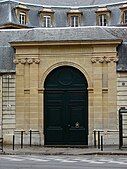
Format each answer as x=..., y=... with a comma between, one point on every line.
x=66, y=107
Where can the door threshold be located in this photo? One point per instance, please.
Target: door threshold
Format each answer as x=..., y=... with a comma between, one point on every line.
x=67, y=146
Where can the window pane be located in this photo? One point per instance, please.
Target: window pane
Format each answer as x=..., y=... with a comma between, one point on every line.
x=22, y=18
x=125, y=17
x=74, y=21
x=47, y=21
x=102, y=20
x=44, y=21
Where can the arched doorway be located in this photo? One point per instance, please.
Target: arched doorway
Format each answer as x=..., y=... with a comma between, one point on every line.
x=66, y=107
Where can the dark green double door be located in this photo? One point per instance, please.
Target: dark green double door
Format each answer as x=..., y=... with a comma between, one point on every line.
x=66, y=107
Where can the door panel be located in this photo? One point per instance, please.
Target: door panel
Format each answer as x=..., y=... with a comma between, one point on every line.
x=66, y=107
x=77, y=125
x=54, y=117
x=77, y=117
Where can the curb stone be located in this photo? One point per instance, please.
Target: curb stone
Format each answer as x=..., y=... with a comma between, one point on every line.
x=63, y=153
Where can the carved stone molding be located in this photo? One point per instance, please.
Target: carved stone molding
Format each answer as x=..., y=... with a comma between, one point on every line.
x=107, y=60
x=93, y=60
x=115, y=60
x=101, y=60
x=16, y=61
x=37, y=61
x=30, y=61
x=27, y=60
x=112, y=59
x=104, y=59
x=23, y=61
x=97, y=59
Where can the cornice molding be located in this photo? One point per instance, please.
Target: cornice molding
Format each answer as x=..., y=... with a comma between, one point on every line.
x=73, y=42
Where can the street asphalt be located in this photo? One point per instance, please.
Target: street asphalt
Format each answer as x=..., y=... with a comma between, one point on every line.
x=62, y=162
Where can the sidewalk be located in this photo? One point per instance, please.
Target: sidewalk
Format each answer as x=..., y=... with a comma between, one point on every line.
x=41, y=150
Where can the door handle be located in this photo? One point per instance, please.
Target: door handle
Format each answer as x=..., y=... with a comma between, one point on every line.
x=77, y=125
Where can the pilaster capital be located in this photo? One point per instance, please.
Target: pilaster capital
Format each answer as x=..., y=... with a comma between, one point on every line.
x=116, y=59
x=93, y=60
x=107, y=59
x=97, y=59
x=104, y=59
x=30, y=61
x=22, y=61
x=27, y=60
x=101, y=60
x=37, y=61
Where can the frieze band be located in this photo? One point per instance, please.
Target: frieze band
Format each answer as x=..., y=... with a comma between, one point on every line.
x=27, y=60
x=104, y=59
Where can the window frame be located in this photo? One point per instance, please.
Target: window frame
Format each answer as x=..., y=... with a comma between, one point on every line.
x=22, y=17
x=125, y=16
x=102, y=20
x=74, y=14
x=22, y=10
x=106, y=13
x=74, y=21
x=46, y=13
x=123, y=10
x=47, y=23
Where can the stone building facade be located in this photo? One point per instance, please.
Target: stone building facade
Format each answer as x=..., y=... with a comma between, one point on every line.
x=65, y=81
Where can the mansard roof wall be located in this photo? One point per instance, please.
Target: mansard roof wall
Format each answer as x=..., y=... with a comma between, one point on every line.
x=70, y=2
x=7, y=10
x=4, y=13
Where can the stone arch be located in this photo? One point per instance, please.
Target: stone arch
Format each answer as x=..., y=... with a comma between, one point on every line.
x=89, y=81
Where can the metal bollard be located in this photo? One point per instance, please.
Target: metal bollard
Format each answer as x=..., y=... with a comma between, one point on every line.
x=30, y=137
x=98, y=139
x=2, y=145
x=21, y=139
x=101, y=143
x=13, y=141
x=95, y=143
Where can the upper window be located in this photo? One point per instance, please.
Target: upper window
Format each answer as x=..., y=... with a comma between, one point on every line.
x=74, y=21
x=123, y=19
x=22, y=18
x=103, y=16
x=46, y=17
x=22, y=14
x=74, y=18
x=102, y=20
x=125, y=16
x=47, y=21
